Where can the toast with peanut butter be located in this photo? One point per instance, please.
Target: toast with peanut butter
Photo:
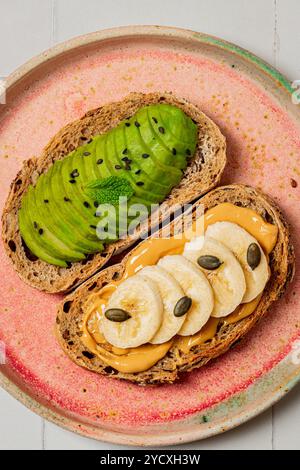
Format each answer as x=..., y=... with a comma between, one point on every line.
x=123, y=148
x=231, y=213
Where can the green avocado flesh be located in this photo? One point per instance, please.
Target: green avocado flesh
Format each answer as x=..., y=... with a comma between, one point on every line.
x=60, y=218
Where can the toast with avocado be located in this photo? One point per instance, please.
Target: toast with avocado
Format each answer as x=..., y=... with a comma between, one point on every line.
x=150, y=148
x=268, y=264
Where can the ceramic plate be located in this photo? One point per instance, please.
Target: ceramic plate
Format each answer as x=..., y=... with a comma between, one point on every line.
x=252, y=103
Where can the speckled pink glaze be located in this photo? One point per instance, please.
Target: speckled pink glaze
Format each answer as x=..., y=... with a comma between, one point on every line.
x=263, y=150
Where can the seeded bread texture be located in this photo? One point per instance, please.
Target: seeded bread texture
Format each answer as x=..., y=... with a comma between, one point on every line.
x=169, y=369
x=203, y=173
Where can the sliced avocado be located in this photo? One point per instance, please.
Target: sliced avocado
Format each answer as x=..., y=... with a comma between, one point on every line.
x=150, y=150
x=63, y=207
x=107, y=169
x=90, y=172
x=102, y=168
x=112, y=164
x=36, y=223
x=152, y=139
x=178, y=160
x=82, y=204
x=98, y=220
x=96, y=167
x=100, y=158
x=137, y=155
x=53, y=213
x=149, y=165
x=150, y=191
x=90, y=206
x=87, y=157
x=178, y=128
x=44, y=237
x=63, y=251
x=141, y=188
x=162, y=154
x=32, y=238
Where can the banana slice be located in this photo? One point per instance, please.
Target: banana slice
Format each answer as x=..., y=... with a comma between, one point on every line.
x=140, y=298
x=195, y=286
x=238, y=241
x=227, y=279
x=171, y=293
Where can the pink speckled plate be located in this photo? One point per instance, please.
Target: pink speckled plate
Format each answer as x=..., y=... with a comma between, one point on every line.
x=251, y=102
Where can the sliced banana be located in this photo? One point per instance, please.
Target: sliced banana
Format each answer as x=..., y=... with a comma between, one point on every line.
x=238, y=241
x=195, y=286
x=170, y=292
x=227, y=280
x=140, y=297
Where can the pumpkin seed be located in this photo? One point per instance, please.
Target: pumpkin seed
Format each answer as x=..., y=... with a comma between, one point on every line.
x=209, y=262
x=117, y=314
x=182, y=306
x=253, y=255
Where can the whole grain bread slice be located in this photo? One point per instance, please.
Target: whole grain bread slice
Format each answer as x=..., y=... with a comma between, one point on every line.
x=168, y=369
x=203, y=173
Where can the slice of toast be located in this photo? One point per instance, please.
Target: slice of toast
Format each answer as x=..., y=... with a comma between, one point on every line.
x=167, y=370
x=203, y=173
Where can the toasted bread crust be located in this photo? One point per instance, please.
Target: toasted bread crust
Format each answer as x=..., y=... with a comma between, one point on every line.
x=203, y=173
x=168, y=369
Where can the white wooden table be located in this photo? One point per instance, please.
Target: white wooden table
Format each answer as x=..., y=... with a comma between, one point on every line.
x=270, y=29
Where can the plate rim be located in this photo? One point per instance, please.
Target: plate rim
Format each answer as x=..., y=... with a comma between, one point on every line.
x=54, y=416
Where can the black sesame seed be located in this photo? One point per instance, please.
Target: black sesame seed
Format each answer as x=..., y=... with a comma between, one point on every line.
x=174, y=151
x=86, y=154
x=127, y=166
x=127, y=124
x=125, y=159
x=35, y=224
x=140, y=183
x=74, y=173
x=93, y=226
x=96, y=204
x=155, y=120
x=86, y=204
x=125, y=151
x=138, y=172
x=46, y=200
x=188, y=152
x=83, y=137
x=66, y=199
x=145, y=155
x=161, y=129
x=90, y=140
x=99, y=161
x=137, y=124
x=72, y=181
x=118, y=167
x=41, y=231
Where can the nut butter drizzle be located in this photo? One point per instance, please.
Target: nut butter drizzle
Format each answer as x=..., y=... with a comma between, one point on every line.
x=148, y=253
